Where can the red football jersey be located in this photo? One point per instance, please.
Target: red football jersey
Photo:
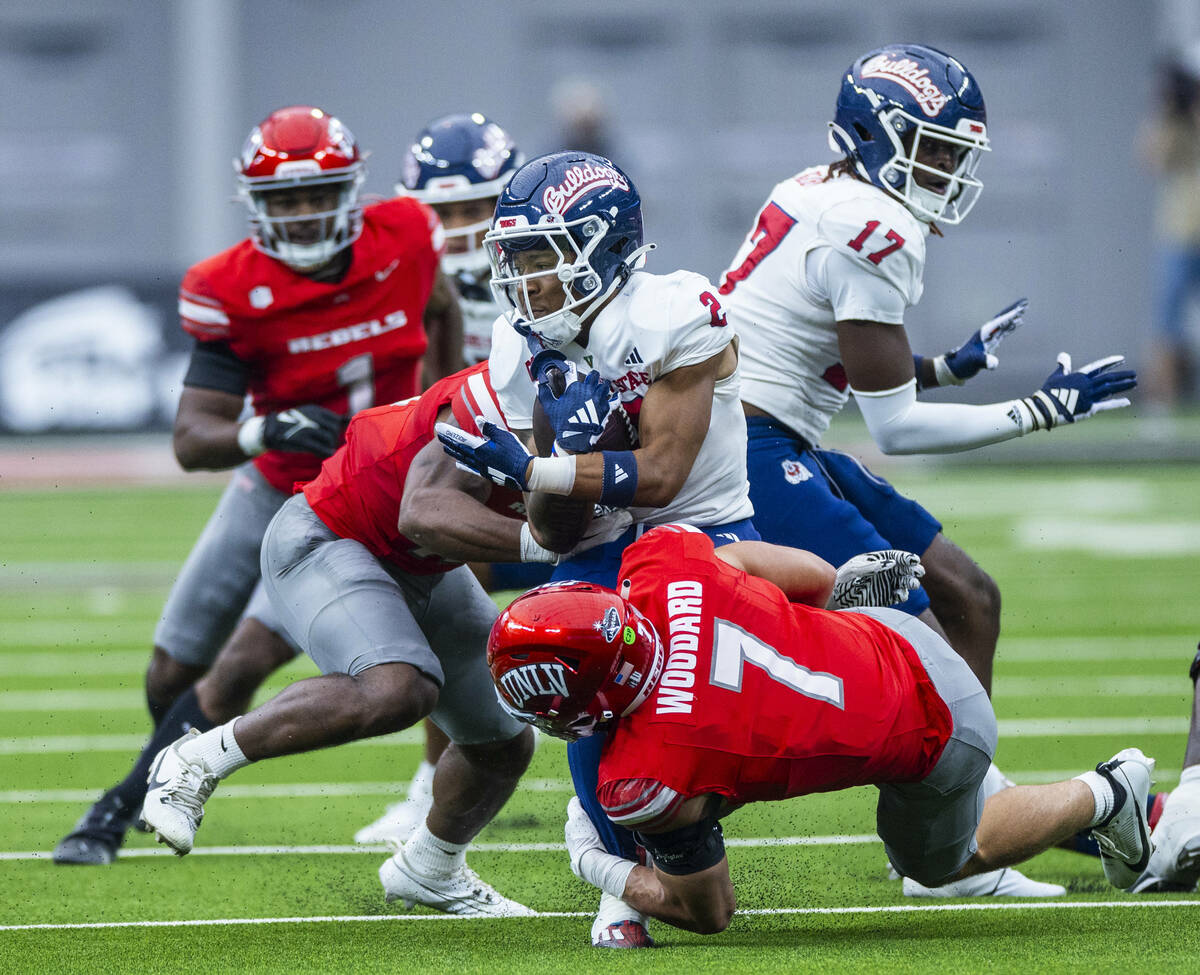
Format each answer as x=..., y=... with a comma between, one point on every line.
x=358, y=491
x=761, y=698
x=346, y=345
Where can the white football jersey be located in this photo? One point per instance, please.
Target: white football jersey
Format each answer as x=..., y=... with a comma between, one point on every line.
x=653, y=325
x=820, y=252
x=479, y=310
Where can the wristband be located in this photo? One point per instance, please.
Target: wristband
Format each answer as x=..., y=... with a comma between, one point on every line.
x=620, y=478
x=943, y=372
x=531, y=551
x=605, y=870
x=250, y=436
x=552, y=475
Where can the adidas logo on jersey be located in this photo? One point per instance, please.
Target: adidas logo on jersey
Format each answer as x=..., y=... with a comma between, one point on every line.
x=634, y=358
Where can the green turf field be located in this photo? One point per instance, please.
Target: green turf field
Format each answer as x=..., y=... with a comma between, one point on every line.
x=1101, y=592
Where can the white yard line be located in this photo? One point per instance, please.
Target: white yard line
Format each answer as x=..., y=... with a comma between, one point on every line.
x=768, y=911
x=1009, y=728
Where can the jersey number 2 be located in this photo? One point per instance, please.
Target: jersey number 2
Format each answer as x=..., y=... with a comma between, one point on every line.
x=734, y=648
x=872, y=225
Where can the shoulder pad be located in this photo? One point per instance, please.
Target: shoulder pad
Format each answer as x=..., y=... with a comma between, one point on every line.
x=881, y=237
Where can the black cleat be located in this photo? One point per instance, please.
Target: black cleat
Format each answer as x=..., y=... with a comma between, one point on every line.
x=97, y=836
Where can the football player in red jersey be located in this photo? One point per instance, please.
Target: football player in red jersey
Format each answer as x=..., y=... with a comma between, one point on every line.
x=720, y=683
x=327, y=308
x=364, y=568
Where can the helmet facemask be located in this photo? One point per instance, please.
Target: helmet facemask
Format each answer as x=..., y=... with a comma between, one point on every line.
x=288, y=238
x=581, y=284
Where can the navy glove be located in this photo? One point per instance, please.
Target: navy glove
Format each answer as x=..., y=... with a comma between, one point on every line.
x=579, y=412
x=1067, y=396
x=497, y=456
x=308, y=429
x=547, y=365
x=976, y=354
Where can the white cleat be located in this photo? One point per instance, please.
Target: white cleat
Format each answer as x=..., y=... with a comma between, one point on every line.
x=175, y=799
x=462, y=892
x=1005, y=882
x=1175, y=863
x=617, y=925
x=1124, y=837
x=397, y=823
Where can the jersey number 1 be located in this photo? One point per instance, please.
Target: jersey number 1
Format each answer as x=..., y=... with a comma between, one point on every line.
x=357, y=377
x=872, y=225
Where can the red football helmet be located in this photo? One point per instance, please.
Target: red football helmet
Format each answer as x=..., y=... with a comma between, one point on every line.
x=569, y=656
x=301, y=148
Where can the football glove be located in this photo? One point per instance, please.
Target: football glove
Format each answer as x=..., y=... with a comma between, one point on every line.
x=1067, y=396
x=977, y=352
x=876, y=579
x=579, y=412
x=547, y=366
x=498, y=455
x=308, y=429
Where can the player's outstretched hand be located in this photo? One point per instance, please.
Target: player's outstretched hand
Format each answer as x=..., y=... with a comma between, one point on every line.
x=1067, y=396
x=978, y=352
x=498, y=455
x=578, y=413
x=580, y=834
x=882, y=578
x=308, y=429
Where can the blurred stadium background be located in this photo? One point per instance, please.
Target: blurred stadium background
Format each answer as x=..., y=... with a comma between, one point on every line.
x=122, y=117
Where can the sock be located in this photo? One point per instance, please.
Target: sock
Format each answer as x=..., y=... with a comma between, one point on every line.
x=1190, y=774
x=1102, y=793
x=158, y=709
x=422, y=781
x=218, y=749
x=431, y=856
x=182, y=716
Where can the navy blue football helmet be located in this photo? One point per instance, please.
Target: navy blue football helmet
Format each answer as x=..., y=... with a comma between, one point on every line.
x=456, y=158
x=585, y=214
x=893, y=100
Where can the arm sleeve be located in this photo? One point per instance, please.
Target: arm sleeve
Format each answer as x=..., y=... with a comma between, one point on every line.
x=899, y=424
x=215, y=366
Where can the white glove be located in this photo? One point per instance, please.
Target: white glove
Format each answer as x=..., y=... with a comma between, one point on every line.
x=876, y=579
x=600, y=530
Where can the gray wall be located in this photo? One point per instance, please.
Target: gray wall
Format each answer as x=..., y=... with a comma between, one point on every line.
x=121, y=119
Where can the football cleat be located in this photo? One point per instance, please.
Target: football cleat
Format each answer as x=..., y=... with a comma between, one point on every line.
x=397, y=823
x=462, y=892
x=176, y=795
x=1175, y=863
x=618, y=925
x=98, y=834
x=1005, y=882
x=1124, y=835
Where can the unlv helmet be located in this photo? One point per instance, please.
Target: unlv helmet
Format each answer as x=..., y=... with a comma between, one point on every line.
x=568, y=657
x=894, y=97
x=300, y=147
x=460, y=157
x=586, y=211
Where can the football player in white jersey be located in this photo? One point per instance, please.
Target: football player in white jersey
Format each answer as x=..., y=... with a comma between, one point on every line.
x=661, y=386
x=817, y=293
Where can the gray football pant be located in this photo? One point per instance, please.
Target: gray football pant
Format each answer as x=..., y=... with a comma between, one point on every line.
x=349, y=610
x=219, y=584
x=928, y=827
